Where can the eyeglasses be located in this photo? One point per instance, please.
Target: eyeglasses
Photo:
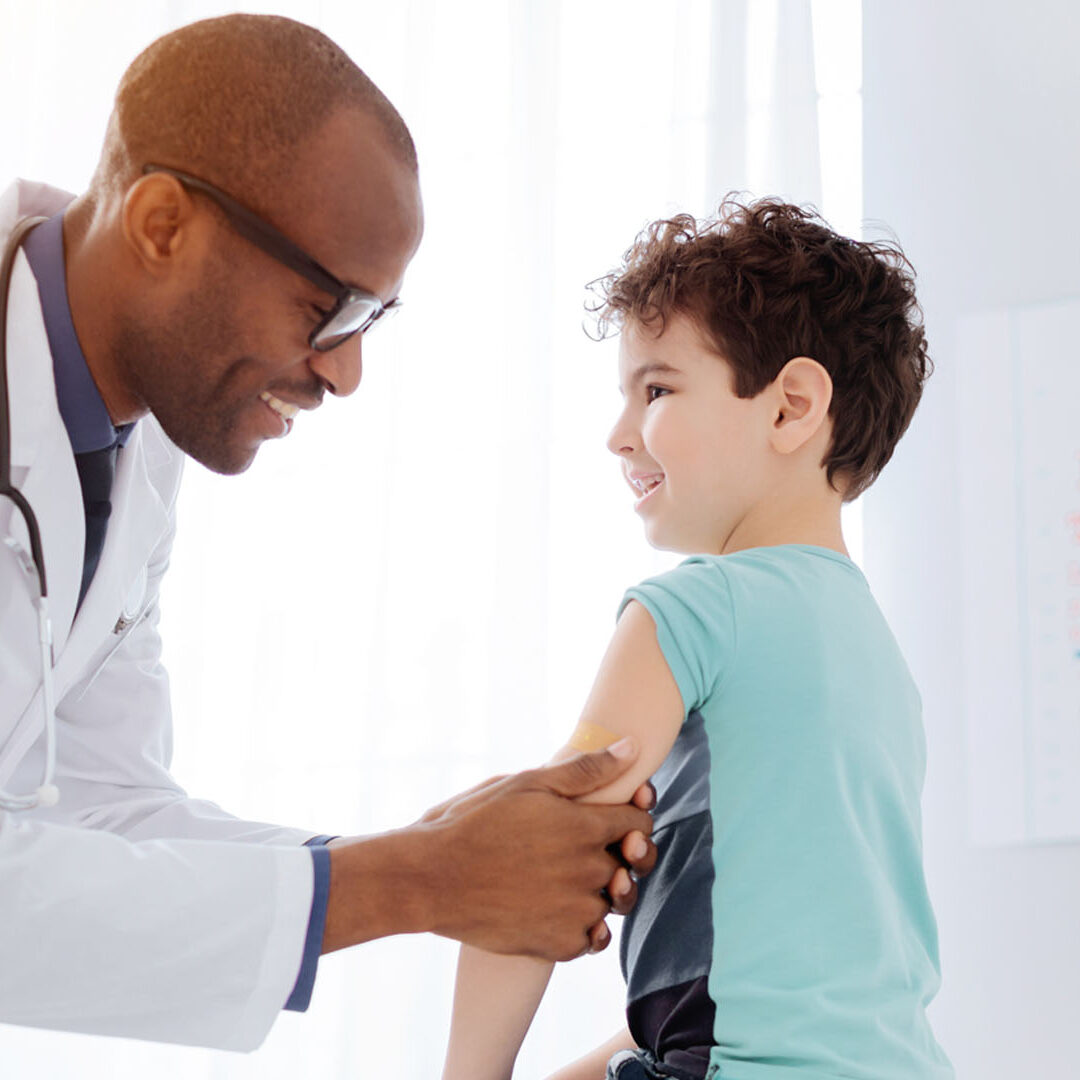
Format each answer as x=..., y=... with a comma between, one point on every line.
x=354, y=310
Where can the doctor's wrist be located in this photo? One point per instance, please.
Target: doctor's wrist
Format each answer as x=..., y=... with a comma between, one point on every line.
x=379, y=885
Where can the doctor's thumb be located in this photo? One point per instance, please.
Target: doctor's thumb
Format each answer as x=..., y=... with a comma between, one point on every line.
x=586, y=773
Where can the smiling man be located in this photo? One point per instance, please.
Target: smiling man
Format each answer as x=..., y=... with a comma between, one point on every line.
x=254, y=212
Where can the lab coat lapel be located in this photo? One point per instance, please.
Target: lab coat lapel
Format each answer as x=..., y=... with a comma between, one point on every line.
x=43, y=466
x=40, y=448
x=43, y=469
x=137, y=523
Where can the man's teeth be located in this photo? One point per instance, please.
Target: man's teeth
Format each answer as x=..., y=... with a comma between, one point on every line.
x=282, y=408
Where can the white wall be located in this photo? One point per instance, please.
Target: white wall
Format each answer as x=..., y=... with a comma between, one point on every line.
x=972, y=155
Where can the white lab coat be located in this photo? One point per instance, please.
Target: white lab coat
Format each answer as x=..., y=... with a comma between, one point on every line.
x=128, y=908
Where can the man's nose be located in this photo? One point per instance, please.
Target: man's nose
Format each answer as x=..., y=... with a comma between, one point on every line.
x=340, y=369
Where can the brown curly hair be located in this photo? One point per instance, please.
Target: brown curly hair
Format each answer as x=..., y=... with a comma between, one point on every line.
x=767, y=281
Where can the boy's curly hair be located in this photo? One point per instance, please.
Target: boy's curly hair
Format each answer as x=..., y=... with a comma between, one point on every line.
x=767, y=281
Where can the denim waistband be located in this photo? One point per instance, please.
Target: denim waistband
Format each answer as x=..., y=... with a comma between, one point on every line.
x=630, y=1065
x=640, y=1065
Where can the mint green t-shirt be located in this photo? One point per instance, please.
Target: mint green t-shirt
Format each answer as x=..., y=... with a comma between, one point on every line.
x=786, y=931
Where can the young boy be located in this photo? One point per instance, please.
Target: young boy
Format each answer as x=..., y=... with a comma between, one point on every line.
x=769, y=367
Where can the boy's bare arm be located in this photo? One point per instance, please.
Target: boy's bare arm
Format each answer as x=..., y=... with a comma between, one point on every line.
x=634, y=694
x=593, y=1066
x=515, y=866
x=485, y=1035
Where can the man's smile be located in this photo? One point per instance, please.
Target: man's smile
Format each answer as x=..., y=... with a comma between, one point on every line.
x=283, y=408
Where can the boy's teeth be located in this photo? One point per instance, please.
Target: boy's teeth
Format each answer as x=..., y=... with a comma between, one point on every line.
x=282, y=408
x=647, y=484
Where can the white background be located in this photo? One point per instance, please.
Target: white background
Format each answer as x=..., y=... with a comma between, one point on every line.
x=972, y=153
x=413, y=590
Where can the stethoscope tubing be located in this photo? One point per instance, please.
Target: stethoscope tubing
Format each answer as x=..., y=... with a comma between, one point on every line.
x=46, y=794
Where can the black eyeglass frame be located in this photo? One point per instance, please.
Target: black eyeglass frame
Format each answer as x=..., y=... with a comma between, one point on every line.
x=278, y=246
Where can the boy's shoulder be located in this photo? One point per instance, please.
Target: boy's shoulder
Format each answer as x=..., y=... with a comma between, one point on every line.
x=696, y=576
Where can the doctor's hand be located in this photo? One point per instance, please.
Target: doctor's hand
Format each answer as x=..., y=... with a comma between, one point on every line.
x=541, y=872
x=635, y=853
x=515, y=865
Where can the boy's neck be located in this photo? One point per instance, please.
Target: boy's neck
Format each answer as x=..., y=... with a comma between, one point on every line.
x=812, y=519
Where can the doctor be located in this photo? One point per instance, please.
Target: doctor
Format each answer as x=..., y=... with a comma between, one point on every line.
x=254, y=210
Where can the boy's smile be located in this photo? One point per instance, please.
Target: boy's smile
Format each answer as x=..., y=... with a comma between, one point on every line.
x=693, y=453
x=644, y=484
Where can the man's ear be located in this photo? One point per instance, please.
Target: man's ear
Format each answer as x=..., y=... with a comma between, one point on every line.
x=802, y=394
x=156, y=219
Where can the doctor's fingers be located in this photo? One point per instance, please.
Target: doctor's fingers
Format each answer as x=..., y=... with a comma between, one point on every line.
x=621, y=827
x=535, y=892
x=599, y=937
x=463, y=798
x=623, y=891
x=645, y=796
x=637, y=853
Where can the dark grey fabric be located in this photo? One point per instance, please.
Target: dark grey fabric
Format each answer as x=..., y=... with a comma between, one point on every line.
x=667, y=941
x=677, y=1022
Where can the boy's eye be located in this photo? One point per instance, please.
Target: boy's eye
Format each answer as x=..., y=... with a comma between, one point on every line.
x=653, y=392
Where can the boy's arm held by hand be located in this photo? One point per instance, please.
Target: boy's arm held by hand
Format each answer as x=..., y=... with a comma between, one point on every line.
x=634, y=695
x=516, y=865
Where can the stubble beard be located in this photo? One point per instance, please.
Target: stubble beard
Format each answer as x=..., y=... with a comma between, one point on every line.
x=176, y=369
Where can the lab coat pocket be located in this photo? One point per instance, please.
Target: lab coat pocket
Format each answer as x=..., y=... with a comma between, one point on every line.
x=134, y=604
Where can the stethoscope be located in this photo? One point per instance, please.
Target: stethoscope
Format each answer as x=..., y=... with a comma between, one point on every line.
x=33, y=563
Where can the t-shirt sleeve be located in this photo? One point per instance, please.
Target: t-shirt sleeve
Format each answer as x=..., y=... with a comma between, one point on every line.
x=695, y=625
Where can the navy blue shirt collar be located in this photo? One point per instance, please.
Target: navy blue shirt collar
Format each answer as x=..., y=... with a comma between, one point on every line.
x=82, y=409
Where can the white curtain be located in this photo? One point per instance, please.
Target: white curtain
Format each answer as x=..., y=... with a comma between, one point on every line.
x=413, y=590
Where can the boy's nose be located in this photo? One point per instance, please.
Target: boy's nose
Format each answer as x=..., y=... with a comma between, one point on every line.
x=619, y=440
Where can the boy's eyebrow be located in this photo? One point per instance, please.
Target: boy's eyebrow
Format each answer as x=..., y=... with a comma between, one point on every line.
x=652, y=368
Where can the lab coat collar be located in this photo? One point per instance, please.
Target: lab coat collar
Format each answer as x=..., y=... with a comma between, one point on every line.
x=26, y=198
x=43, y=467
x=40, y=446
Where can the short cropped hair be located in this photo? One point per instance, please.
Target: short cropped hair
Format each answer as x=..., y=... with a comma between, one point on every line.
x=231, y=99
x=767, y=281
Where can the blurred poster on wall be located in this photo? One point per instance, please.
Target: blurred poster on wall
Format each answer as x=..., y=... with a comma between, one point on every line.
x=1018, y=431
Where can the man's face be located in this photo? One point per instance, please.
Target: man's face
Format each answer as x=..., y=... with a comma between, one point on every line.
x=225, y=364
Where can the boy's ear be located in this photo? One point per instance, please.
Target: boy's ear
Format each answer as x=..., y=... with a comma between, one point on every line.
x=802, y=393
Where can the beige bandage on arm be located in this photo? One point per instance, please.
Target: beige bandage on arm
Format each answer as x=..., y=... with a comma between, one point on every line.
x=588, y=736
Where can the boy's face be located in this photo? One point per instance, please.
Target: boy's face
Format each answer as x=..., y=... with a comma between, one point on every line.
x=696, y=456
